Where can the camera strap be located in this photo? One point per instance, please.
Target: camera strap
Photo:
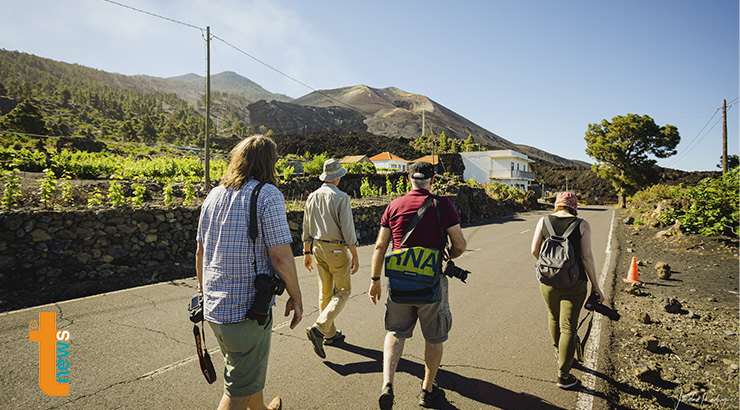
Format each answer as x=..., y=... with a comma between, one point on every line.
x=253, y=231
x=204, y=359
x=589, y=316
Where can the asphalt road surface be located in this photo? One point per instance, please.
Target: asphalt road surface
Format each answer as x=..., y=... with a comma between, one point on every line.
x=134, y=349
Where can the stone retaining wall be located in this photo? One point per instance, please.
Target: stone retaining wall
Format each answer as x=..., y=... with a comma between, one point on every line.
x=144, y=244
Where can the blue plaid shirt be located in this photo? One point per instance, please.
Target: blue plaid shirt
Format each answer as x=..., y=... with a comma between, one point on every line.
x=228, y=258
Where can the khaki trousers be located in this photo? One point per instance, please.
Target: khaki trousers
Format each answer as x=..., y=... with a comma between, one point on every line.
x=333, y=266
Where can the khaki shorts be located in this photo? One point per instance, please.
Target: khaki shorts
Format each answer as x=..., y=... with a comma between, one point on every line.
x=246, y=348
x=435, y=319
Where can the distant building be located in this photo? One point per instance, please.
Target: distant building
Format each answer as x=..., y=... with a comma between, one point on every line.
x=389, y=161
x=355, y=158
x=432, y=159
x=504, y=166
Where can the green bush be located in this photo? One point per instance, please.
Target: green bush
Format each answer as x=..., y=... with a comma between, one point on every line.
x=316, y=165
x=138, y=192
x=360, y=168
x=367, y=190
x=12, y=189
x=167, y=193
x=95, y=200
x=654, y=194
x=47, y=186
x=65, y=189
x=115, y=193
x=714, y=206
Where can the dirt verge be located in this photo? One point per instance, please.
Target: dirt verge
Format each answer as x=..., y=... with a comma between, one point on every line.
x=676, y=345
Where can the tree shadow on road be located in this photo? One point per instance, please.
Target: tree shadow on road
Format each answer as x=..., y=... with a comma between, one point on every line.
x=475, y=389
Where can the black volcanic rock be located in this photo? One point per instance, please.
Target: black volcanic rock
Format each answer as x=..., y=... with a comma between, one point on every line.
x=286, y=118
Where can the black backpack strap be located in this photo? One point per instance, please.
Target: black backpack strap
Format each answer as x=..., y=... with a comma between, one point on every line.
x=572, y=227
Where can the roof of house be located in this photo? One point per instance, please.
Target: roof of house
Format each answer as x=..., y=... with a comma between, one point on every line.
x=352, y=158
x=386, y=156
x=432, y=159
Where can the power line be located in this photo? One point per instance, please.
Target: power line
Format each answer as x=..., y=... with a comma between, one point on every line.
x=153, y=15
x=690, y=148
x=241, y=51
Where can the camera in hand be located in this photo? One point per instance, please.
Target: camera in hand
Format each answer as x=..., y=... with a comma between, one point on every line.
x=592, y=303
x=267, y=286
x=455, y=271
x=195, y=308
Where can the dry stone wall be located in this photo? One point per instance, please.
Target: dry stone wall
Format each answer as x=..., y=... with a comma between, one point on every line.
x=135, y=246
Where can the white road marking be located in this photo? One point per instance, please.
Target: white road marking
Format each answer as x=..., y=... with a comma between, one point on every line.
x=585, y=400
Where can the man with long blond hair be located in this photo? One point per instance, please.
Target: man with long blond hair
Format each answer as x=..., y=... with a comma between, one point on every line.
x=227, y=263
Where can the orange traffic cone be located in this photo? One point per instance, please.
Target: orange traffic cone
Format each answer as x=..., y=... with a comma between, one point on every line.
x=632, y=275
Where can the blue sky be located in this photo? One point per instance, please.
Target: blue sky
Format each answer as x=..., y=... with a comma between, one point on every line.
x=533, y=72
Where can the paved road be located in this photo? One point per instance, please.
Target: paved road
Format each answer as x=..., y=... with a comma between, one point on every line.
x=134, y=348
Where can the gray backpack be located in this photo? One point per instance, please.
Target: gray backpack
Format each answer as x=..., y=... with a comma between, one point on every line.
x=558, y=265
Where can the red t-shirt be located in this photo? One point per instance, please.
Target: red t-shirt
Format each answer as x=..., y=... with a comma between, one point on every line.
x=428, y=233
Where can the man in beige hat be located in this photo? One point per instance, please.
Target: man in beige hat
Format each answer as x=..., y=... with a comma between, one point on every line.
x=328, y=233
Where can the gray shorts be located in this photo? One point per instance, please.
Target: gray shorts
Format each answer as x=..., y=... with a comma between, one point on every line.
x=435, y=319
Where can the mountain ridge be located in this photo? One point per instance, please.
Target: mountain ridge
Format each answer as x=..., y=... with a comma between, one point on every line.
x=358, y=109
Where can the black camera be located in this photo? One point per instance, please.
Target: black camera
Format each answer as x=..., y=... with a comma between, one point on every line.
x=195, y=308
x=592, y=303
x=266, y=287
x=454, y=271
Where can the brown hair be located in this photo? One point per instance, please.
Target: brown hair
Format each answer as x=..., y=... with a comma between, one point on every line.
x=567, y=209
x=254, y=157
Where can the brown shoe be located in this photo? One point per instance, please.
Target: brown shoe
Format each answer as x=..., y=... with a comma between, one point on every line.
x=275, y=404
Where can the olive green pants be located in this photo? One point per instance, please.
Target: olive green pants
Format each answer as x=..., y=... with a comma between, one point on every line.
x=563, y=307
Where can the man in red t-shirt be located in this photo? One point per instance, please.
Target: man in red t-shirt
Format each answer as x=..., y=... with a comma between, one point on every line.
x=434, y=318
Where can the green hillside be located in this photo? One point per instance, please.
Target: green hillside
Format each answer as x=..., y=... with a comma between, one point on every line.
x=73, y=100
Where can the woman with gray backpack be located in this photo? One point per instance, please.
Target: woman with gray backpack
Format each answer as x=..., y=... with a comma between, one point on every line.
x=565, y=264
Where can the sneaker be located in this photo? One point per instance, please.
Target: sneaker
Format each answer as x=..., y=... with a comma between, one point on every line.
x=317, y=339
x=567, y=382
x=275, y=404
x=386, y=397
x=432, y=398
x=338, y=337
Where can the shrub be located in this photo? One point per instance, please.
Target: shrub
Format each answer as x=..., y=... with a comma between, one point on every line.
x=288, y=173
x=115, y=192
x=367, y=190
x=47, y=186
x=360, y=168
x=714, y=206
x=138, y=193
x=189, y=193
x=65, y=189
x=316, y=165
x=12, y=189
x=167, y=193
x=95, y=200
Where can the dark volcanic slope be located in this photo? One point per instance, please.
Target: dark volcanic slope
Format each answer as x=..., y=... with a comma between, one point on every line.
x=338, y=146
x=286, y=118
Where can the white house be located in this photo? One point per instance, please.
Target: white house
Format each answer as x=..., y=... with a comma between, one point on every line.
x=504, y=166
x=390, y=161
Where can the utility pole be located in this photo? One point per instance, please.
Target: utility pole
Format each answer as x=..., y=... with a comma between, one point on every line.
x=208, y=110
x=724, y=137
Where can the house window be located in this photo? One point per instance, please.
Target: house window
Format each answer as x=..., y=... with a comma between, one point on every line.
x=512, y=166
